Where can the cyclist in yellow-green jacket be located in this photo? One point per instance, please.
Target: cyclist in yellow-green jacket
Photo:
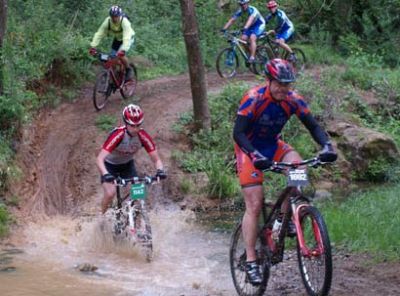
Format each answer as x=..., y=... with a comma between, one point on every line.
x=117, y=25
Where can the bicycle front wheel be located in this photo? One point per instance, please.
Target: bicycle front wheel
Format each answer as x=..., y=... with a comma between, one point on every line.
x=315, y=257
x=262, y=57
x=129, y=88
x=299, y=62
x=237, y=261
x=142, y=233
x=102, y=90
x=227, y=63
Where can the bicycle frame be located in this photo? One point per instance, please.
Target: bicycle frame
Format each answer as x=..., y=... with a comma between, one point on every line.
x=276, y=50
x=111, y=63
x=239, y=44
x=297, y=203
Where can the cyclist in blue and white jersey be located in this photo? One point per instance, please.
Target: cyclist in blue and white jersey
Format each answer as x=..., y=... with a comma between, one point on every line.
x=284, y=29
x=253, y=28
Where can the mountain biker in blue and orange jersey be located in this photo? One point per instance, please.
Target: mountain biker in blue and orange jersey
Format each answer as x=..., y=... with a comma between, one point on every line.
x=116, y=156
x=253, y=27
x=284, y=29
x=118, y=26
x=264, y=110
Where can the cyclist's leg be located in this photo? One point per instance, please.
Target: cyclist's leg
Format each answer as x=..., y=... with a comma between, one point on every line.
x=126, y=170
x=286, y=153
x=251, y=181
x=282, y=37
x=115, y=46
x=124, y=59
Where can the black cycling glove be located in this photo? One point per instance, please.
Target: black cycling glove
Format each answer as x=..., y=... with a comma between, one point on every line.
x=161, y=174
x=260, y=162
x=328, y=154
x=108, y=178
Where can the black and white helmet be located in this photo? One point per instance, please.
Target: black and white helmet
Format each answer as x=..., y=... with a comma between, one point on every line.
x=241, y=2
x=115, y=10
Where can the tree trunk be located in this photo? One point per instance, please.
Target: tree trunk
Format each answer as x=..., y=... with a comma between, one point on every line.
x=196, y=68
x=3, y=22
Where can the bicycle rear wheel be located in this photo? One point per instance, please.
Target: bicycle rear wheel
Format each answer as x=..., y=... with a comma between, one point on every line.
x=315, y=260
x=237, y=260
x=129, y=88
x=227, y=63
x=102, y=90
x=300, y=61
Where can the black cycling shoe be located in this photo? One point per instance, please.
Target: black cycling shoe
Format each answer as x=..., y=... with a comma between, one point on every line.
x=128, y=73
x=291, y=230
x=253, y=273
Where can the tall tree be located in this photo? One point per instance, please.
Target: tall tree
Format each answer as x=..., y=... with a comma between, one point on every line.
x=3, y=22
x=196, y=68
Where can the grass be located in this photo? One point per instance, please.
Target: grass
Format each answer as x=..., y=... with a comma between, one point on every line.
x=4, y=220
x=105, y=122
x=367, y=222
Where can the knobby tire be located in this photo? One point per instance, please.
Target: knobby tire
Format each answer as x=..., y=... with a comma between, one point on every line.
x=301, y=62
x=316, y=271
x=129, y=88
x=227, y=63
x=102, y=90
x=145, y=241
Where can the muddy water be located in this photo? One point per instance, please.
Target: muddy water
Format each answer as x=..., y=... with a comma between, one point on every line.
x=187, y=260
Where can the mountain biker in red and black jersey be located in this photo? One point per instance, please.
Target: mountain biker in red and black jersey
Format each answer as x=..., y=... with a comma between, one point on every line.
x=263, y=112
x=117, y=25
x=116, y=156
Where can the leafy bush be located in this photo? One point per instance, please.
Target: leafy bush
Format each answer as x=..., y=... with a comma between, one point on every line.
x=4, y=220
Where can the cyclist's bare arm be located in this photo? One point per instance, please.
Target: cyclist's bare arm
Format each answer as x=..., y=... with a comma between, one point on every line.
x=100, y=161
x=249, y=22
x=155, y=158
x=229, y=23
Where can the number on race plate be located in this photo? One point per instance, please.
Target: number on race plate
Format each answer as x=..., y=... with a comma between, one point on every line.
x=298, y=177
x=138, y=191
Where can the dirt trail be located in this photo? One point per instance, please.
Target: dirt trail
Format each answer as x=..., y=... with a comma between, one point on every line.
x=58, y=160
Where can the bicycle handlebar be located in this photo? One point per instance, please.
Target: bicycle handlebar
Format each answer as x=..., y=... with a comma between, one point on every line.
x=311, y=162
x=136, y=180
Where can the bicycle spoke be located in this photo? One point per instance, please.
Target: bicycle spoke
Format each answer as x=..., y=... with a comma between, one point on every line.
x=237, y=263
x=227, y=63
x=315, y=261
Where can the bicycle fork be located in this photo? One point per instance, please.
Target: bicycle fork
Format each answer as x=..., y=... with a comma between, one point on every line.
x=306, y=251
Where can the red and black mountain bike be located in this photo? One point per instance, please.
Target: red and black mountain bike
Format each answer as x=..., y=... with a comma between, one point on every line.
x=312, y=239
x=112, y=78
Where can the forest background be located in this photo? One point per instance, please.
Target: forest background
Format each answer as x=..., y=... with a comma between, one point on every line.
x=45, y=60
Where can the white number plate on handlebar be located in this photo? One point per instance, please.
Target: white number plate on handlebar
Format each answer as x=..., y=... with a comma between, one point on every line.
x=138, y=191
x=104, y=57
x=298, y=177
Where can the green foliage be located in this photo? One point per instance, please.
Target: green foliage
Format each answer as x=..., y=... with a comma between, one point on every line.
x=213, y=150
x=367, y=221
x=4, y=220
x=105, y=122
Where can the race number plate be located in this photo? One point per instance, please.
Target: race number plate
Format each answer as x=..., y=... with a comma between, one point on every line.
x=138, y=191
x=297, y=178
x=104, y=57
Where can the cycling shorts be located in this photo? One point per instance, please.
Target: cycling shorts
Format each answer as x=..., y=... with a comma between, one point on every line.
x=125, y=170
x=247, y=173
x=257, y=30
x=116, y=45
x=285, y=35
